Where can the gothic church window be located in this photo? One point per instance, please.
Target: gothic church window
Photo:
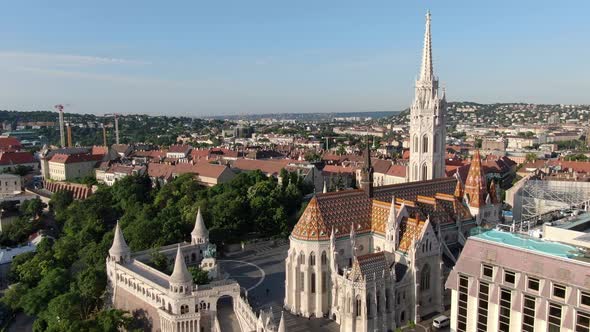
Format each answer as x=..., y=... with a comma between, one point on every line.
x=424, y=172
x=425, y=144
x=425, y=278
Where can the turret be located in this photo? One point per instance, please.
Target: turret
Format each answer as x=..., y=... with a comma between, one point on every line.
x=119, y=251
x=181, y=280
x=282, y=327
x=200, y=234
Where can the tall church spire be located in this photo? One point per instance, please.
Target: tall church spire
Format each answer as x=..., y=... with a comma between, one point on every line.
x=426, y=72
x=427, y=120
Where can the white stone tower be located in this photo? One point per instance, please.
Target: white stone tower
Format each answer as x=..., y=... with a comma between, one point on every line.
x=119, y=251
x=200, y=234
x=427, y=121
x=181, y=281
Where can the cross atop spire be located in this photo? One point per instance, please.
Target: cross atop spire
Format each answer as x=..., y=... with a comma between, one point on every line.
x=426, y=71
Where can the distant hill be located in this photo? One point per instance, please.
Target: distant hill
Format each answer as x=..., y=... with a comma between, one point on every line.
x=308, y=116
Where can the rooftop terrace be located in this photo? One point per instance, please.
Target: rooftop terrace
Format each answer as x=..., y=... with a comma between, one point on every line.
x=537, y=245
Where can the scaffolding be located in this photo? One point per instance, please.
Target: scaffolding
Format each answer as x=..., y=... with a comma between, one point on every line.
x=540, y=199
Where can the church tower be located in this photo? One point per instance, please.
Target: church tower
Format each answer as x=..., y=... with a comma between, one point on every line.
x=427, y=121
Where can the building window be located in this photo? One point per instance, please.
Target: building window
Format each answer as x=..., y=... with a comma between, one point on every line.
x=554, y=317
x=585, y=299
x=559, y=291
x=487, y=271
x=312, y=259
x=424, y=172
x=324, y=258
x=505, y=301
x=582, y=322
x=533, y=284
x=313, y=282
x=509, y=277
x=462, y=304
x=324, y=282
x=528, y=314
x=424, y=144
x=302, y=281
x=425, y=278
x=482, y=309
x=358, y=308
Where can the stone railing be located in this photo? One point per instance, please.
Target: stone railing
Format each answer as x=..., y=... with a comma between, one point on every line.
x=246, y=315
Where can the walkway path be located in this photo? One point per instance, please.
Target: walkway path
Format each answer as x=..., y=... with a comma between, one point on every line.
x=228, y=321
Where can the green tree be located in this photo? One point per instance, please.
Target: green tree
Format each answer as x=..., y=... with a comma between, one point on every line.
x=200, y=277
x=32, y=208
x=531, y=157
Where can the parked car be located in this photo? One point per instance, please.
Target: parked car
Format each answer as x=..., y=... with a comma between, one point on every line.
x=441, y=321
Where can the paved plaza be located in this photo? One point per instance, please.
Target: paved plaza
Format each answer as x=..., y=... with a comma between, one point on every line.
x=261, y=272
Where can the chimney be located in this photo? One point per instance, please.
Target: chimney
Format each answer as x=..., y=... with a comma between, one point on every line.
x=69, y=136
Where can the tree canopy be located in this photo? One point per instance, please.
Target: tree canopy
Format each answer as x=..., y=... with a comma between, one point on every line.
x=63, y=282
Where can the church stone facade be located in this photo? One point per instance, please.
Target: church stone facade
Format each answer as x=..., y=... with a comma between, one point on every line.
x=375, y=258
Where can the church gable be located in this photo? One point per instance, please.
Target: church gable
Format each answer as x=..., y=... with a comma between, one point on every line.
x=337, y=210
x=410, y=230
x=371, y=266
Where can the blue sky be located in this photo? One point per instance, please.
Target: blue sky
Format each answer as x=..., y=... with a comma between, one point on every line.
x=231, y=57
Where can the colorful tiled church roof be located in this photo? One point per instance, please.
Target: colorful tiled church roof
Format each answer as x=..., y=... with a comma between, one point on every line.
x=475, y=186
x=338, y=210
x=367, y=267
x=410, y=229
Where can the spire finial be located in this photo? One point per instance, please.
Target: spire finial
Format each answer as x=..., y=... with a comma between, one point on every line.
x=426, y=71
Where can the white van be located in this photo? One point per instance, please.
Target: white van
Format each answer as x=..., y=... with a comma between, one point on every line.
x=441, y=321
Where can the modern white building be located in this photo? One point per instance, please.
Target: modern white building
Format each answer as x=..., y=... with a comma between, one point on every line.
x=509, y=282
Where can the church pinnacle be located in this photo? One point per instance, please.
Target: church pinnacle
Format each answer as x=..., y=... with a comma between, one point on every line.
x=426, y=71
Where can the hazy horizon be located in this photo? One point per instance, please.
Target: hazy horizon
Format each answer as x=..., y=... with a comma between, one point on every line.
x=263, y=57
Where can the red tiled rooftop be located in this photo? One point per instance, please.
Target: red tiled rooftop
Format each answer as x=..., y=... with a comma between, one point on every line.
x=74, y=158
x=16, y=158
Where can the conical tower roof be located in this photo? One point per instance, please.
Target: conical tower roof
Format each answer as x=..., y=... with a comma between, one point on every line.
x=475, y=186
x=200, y=230
x=282, y=324
x=119, y=247
x=180, y=275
